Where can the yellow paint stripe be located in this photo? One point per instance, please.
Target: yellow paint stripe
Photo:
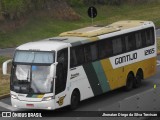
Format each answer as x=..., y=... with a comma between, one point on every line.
x=94, y=39
x=40, y=96
x=106, y=65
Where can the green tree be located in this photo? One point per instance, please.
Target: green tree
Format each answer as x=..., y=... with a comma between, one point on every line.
x=13, y=8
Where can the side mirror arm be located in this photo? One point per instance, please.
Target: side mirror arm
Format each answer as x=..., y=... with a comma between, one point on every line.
x=53, y=74
x=4, y=66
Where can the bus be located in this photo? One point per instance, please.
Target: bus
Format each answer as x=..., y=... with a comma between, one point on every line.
x=80, y=64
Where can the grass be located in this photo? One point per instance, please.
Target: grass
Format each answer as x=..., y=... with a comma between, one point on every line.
x=4, y=80
x=109, y=14
x=38, y=28
x=158, y=44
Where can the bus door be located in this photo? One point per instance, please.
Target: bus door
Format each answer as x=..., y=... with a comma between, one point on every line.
x=61, y=78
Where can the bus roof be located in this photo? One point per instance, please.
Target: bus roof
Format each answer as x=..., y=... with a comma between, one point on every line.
x=52, y=44
x=85, y=35
x=98, y=30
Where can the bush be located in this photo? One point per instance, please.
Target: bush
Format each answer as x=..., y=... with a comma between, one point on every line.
x=12, y=9
x=114, y=2
x=75, y=3
x=94, y=2
x=3, y=59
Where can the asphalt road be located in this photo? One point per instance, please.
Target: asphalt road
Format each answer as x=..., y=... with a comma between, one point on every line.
x=7, y=52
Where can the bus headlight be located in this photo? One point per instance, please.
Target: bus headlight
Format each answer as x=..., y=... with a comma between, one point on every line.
x=14, y=96
x=48, y=98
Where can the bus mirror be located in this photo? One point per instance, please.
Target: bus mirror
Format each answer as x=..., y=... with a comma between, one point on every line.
x=53, y=69
x=5, y=66
x=56, y=63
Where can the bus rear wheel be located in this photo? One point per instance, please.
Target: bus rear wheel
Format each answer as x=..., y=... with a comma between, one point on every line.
x=138, y=79
x=129, y=84
x=75, y=99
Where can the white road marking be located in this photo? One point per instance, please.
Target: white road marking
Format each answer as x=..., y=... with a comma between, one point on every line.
x=158, y=62
x=9, y=107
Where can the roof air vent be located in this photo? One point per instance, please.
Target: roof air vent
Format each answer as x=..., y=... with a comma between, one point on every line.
x=57, y=39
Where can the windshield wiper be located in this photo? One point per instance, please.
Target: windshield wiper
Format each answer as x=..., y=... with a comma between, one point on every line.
x=28, y=76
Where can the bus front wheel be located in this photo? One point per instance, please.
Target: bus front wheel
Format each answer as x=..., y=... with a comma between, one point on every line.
x=75, y=99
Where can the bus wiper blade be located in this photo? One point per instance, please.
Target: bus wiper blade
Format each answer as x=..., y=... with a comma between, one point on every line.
x=28, y=76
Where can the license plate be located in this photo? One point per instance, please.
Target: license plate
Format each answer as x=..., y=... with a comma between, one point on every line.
x=30, y=105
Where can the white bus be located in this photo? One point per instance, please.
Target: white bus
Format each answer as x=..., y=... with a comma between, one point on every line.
x=81, y=64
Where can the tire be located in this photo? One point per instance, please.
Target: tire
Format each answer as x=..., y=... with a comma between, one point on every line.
x=138, y=79
x=75, y=100
x=129, y=84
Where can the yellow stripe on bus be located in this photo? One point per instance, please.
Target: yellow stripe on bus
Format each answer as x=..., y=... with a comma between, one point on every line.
x=107, y=70
x=40, y=96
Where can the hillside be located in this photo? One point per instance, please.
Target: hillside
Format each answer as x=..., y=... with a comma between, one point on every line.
x=12, y=18
x=59, y=16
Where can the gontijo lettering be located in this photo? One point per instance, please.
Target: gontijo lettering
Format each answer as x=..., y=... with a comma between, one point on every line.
x=126, y=58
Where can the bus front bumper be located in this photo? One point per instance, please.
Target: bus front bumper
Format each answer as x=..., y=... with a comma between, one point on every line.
x=46, y=105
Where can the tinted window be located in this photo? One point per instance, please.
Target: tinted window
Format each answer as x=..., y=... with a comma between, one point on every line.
x=80, y=55
x=73, y=58
x=77, y=56
x=105, y=48
x=61, y=70
x=117, y=45
x=149, y=37
x=130, y=42
x=143, y=36
x=138, y=40
x=87, y=53
x=94, y=51
x=90, y=52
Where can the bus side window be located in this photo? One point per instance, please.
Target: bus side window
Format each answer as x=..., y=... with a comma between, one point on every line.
x=73, y=61
x=62, y=70
x=117, y=45
x=105, y=48
x=80, y=55
x=102, y=49
x=130, y=42
x=143, y=35
x=149, y=37
x=94, y=51
x=90, y=52
x=87, y=53
x=138, y=40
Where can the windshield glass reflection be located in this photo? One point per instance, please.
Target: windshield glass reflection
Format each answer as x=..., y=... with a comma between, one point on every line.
x=33, y=79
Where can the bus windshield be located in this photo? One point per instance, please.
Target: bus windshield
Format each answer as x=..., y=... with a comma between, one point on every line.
x=31, y=72
x=34, y=57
